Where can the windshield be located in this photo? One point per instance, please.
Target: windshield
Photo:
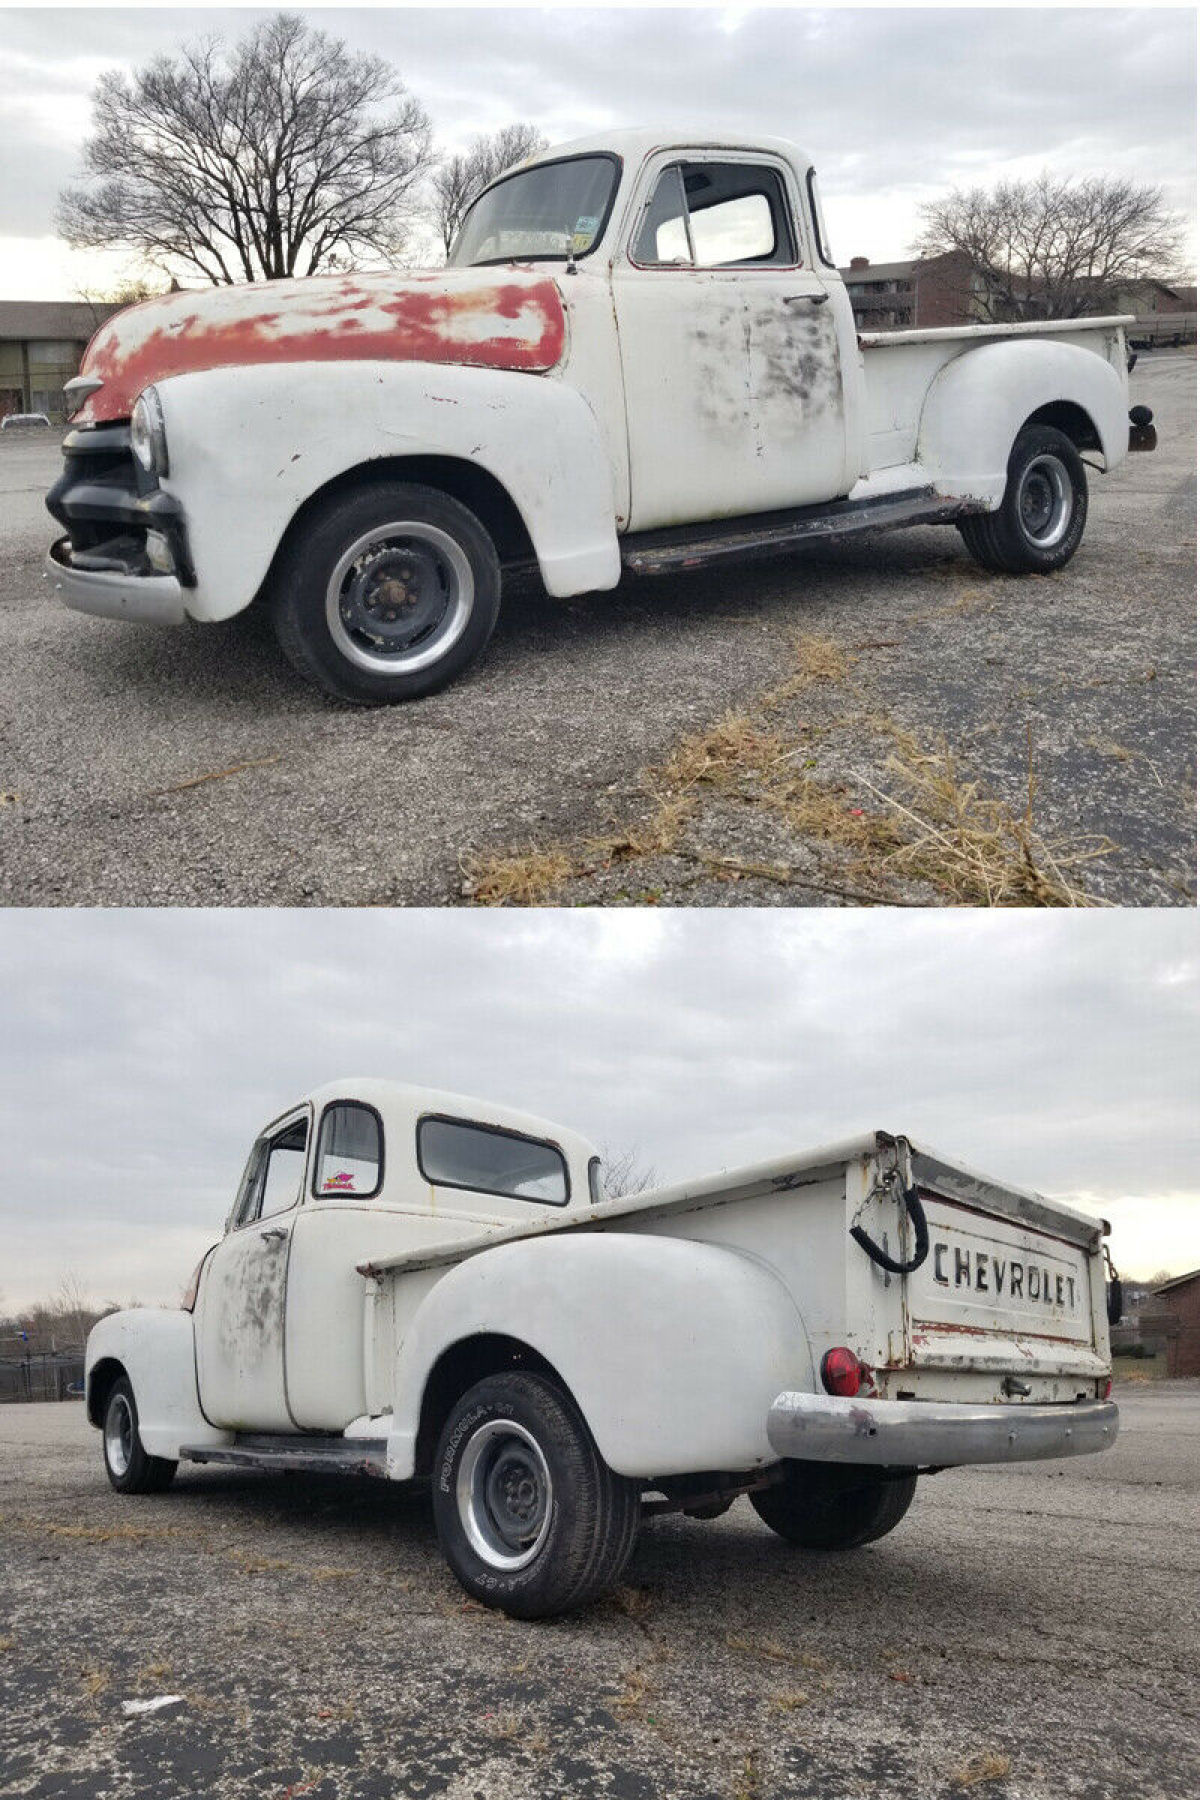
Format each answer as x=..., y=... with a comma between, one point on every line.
x=539, y=213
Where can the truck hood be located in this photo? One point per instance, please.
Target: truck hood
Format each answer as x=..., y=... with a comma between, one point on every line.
x=497, y=318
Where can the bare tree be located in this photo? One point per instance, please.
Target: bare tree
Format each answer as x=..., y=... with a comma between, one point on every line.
x=622, y=1172
x=1053, y=247
x=282, y=155
x=461, y=179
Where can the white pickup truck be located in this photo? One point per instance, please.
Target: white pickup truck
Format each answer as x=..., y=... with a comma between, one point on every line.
x=641, y=357
x=418, y=1286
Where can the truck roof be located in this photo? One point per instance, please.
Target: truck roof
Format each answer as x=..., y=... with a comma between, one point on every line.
x=636, y=142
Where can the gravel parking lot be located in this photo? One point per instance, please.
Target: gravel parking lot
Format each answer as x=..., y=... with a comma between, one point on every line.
x=189, y=766
x=1039, y=1622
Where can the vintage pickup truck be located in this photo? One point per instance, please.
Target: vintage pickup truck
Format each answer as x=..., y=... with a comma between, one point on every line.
x=423, y=1287
x=641, y=357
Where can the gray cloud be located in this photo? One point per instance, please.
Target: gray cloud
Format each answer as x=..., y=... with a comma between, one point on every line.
x=141, y=1051
x=894, y=103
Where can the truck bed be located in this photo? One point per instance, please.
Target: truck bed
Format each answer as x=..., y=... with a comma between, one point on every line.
x=900, y=366
x=1012, y=1281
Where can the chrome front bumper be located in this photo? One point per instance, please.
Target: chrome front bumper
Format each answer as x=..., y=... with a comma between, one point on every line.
x=915, y=1433
x=113, y=594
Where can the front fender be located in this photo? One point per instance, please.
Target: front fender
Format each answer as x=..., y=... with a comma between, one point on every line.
x=673, y=1350
x=248, y=447
x=978, y=403
x=157, y=1350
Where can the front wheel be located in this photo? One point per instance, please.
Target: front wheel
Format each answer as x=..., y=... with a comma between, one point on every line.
x=1044, y=510
x=385, y=593
x=835, y=1506
x=529, y=1516
x=129, y=1468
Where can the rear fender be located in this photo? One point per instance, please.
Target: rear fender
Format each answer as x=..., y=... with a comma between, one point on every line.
x=249, y=446
x=978, y=403
x=673, y=1350
x=157, y=1351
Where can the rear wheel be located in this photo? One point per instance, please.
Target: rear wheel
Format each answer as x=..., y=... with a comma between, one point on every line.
x=129, y=1468
x=835, y=1506
x=529, y=1516
x=1044, y=510
x=386, y=593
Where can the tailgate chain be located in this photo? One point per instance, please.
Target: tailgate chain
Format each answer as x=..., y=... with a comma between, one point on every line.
x=890, y=1182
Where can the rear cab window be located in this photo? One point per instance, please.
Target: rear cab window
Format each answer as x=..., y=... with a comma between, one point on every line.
x=715, y=215
x=349, y=1157
x=488, y=1160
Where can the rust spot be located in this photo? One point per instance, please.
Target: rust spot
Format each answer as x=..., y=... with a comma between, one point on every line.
x=513, y=322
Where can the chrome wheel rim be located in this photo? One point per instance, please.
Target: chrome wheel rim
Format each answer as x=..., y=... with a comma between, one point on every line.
x=118, y=1435
x=1045, y=501
x=505, y=1495
x=399, y=598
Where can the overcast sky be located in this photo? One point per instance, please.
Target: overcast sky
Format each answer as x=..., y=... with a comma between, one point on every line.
x=895, y=105
x=141, y=1052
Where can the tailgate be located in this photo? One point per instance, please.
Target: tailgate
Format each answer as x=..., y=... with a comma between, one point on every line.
x=1010, y=1284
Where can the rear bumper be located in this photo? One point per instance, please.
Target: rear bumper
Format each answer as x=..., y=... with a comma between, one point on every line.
x=914, y=1433
x=114, y=593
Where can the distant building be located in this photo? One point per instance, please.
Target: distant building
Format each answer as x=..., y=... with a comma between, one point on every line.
x=41, y=344
x=946, y=290
x=912, y=296
x=1177, y=1317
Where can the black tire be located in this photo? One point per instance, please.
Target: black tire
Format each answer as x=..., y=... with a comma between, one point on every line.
x=438, y=581
x=1042, y=516
x=835, y=1506
x=129, y=1468
x=571, y=1519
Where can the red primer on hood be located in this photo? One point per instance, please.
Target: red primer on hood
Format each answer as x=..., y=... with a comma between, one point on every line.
x=510, y=319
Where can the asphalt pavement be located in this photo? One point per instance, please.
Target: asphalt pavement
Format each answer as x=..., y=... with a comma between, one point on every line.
x=1031, y=1633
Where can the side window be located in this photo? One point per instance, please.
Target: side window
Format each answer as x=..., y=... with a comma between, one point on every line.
x=349, y=1151
x=283, y=1176
x=273, y=1175
x=728, y=216
x=453, y=1153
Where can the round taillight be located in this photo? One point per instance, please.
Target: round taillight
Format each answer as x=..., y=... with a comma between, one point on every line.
x=841, y=1373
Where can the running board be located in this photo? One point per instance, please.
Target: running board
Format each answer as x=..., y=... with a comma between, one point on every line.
x=266, y=1450
x=767, y=534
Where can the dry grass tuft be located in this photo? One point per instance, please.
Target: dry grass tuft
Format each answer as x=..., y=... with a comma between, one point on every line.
x=988, y=1765
x=789, y=1700
x=635, y=1603
x=634, y=1694
x=259, y=1565
x=976, y=848
x=7, y=1644
x=328, y=1572
x=930, y=824
x=748, y=1784
x=94, y=1681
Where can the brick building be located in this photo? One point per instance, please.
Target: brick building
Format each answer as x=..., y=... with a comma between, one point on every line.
x=41, y=343
x=911, y=296
x=1177, y=1314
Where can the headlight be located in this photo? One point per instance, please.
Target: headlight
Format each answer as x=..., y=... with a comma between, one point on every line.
x=148, y=433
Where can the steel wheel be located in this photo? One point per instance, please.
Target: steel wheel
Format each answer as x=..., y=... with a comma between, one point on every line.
x=119, y=1436
x=504, y=1494
x=399, y=598
x=1045, y=501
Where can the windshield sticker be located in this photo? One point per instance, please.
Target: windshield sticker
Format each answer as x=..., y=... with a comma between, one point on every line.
x=341, y=1183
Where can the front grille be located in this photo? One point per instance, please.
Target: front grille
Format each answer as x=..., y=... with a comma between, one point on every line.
x=106, y=503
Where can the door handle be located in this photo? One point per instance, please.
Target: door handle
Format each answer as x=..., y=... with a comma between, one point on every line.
x=813, y=299
x=275, y=1231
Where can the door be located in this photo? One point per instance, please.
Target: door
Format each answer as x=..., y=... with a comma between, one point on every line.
x=729, y=346
x=241, y=1303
